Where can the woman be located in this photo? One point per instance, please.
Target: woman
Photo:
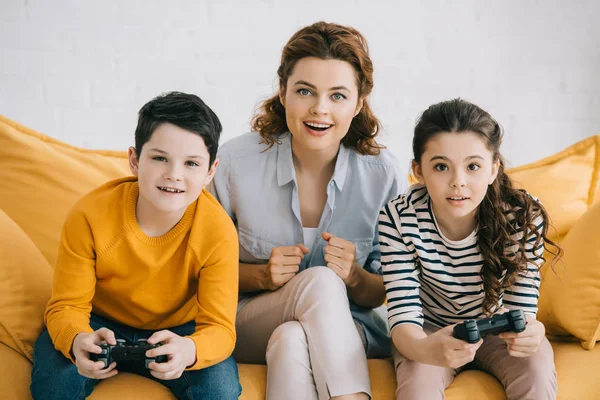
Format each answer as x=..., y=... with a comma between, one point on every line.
x=304, y=190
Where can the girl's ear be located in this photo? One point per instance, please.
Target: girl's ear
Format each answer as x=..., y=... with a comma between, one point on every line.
x=495, y=169
x=417, y=172
x=133, y=160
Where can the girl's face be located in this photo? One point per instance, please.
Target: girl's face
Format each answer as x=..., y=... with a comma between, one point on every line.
x=320, y=100
x=456, y=168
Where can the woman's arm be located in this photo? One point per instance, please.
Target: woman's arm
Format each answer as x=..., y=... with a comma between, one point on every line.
x=252, y=277
x=366, y=289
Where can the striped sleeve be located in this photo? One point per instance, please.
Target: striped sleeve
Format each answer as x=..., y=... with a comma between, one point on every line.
x=400, y=272
x=524, y=293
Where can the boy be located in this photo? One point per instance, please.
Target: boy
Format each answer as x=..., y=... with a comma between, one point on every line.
x=152, y=256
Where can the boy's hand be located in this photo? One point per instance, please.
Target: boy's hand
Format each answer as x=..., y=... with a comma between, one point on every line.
x=445, y=350
x=525, y=343
x=283, y=265
x=340, y=256
x=86, y=343
x=180, y=350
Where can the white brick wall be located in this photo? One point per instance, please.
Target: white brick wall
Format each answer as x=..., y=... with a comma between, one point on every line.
x=80, y=70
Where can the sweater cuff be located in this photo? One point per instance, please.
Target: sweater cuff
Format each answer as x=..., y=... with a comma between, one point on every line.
x=210, y=352
x=64, y=342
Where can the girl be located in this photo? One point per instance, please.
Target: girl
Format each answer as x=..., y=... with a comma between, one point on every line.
x=463, y=244
x=305, y=191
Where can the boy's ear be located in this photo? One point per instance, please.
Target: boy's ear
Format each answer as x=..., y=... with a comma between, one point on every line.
x=495, y=169
x=211, y=172
x=133, y=160
x=417, y=171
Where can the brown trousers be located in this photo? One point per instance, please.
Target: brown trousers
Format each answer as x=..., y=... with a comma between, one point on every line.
x=532, y=377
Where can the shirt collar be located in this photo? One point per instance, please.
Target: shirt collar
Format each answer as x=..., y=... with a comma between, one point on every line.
x=285, y=163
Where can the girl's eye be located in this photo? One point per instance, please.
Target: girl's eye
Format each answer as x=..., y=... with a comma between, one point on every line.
x=192, y=164
x=159, y=158
x=441, y=167
x=338, y=96
x=473, y=167
x=304, y=92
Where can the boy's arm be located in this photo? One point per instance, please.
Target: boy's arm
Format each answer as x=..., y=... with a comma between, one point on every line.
x=217, y=304
x=68, y=311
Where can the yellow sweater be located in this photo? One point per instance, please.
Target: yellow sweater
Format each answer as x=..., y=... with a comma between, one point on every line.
x=107, y=265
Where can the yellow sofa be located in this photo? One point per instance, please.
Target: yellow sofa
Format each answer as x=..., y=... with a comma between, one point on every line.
x=42, y=177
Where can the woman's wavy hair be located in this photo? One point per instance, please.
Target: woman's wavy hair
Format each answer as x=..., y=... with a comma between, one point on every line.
x=327, y=41
x=495, y=230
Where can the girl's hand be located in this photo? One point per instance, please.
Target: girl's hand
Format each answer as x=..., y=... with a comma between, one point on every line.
x=340, y=256
x=180, y=350
x=525, y=343
x=444, y=350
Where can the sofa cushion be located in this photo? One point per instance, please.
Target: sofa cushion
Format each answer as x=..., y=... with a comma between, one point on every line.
x=15, y=374
x=566, y=183
x=572, y=290
x=43, y=177
x=25, y=287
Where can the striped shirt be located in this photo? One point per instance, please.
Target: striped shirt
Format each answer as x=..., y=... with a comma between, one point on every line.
x=433, y=279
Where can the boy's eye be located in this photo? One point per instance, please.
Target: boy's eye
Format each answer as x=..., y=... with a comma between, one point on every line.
x=303, y=92
x=338, y=96
x=473, y=167
x=441, y=167
x=159, y=158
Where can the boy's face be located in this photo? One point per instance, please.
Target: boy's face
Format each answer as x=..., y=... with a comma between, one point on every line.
x=172, y=169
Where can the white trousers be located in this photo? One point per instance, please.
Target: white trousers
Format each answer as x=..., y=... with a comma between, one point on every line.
x=307, y=336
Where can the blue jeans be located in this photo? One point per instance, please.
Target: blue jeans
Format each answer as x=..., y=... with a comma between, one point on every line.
x=55, y=377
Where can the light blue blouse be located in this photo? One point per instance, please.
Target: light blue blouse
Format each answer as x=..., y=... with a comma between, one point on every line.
x=258, y=189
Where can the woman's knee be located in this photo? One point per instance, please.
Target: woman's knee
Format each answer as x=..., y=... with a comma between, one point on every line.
x=287, y=335
x=322, y=281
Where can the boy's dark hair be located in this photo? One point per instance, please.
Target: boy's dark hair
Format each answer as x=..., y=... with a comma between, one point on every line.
x=186, y=111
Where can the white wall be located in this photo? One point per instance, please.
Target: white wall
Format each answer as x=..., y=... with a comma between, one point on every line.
x=80, y=70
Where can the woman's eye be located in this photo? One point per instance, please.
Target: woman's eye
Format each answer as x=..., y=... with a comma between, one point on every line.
x=473, y=167
x=441, y=167
x=304, y=92
x=338, y=96
x=159, y=158
x=192, y=164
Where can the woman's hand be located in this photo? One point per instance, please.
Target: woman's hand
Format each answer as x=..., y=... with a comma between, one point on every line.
x=525, y=343
x=283, y=265
x=340, y=256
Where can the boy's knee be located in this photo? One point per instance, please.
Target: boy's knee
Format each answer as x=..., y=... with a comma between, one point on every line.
x=53, y=375
x=221, y=381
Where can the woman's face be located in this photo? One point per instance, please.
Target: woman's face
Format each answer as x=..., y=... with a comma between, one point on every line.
x=320, y=100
